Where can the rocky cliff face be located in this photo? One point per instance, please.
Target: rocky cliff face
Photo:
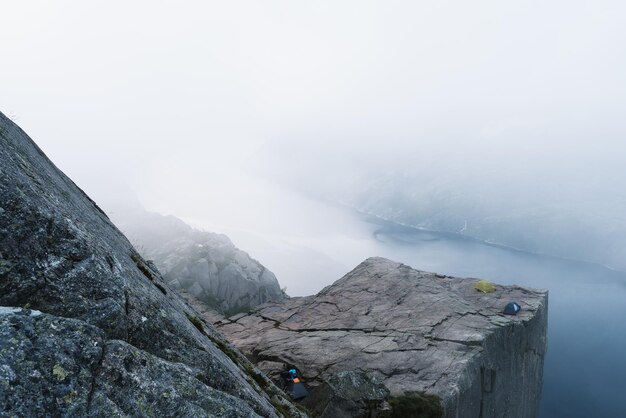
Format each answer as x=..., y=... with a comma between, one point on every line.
x=412, y=331
x=87, y=327
x=205, y=265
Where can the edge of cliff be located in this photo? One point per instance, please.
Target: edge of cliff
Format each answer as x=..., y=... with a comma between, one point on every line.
x=412, y=331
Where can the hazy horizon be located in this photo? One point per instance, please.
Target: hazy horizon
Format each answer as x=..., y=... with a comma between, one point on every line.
x=499, y=120
x=277, y=122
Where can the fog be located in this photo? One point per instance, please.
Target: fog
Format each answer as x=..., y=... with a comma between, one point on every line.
x=426, y=113
x=283, y=123
x=500, y=121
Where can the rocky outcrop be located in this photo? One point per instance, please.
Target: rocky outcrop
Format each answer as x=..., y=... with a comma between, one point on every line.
x=347, y=394
x=416, y=332
x=88, y=328
x=54, y=365
x=205, y=265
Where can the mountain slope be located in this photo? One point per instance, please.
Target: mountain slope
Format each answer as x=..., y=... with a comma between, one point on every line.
x=206, y=265
x=112, y=336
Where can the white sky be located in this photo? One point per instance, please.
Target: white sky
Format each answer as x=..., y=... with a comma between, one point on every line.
x=176, y=98
x=147, y=81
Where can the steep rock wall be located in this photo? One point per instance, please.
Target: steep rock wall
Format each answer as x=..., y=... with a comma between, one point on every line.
x=60, y=255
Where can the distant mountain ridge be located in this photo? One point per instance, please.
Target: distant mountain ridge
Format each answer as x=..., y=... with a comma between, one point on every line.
x=569, y=203
x=205, y=265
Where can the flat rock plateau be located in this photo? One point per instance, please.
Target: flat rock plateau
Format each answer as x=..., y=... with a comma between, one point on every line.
x=411, y=331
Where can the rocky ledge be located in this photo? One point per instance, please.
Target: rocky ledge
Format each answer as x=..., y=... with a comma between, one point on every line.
x=88, y=327
x=410, y=332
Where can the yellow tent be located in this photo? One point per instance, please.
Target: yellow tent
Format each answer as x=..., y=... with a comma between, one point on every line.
x=485, y=286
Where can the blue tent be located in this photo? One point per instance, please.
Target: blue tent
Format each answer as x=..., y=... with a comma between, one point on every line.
x=512, y=308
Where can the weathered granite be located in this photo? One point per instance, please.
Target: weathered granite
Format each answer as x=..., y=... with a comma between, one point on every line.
x=60, y=255
x=206, y=265
x=413, y=331
x=347, y=394
x=53, y=365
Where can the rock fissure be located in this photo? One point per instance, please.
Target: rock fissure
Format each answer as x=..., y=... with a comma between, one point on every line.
x=330, y=329
x=94, y=375
x=467, y=343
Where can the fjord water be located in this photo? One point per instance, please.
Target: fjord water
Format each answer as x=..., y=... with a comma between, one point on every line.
x=309, y=244
x=585, y=370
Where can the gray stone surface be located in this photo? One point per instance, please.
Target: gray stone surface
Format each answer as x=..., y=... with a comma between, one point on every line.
x=413, y=331
x=60, y=254
x=206, y=265
x=347, y=394
x=54, y=365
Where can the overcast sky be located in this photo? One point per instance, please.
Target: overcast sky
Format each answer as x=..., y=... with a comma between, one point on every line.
x=143, y=83
x=179, y=99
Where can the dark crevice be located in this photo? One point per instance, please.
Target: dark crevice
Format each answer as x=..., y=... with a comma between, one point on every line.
x=461, y=342
x=146, y=272
x=291, y=316
x=276, y=323
x=126, y=301
x=329, y=303
x=127, y=312
x=110, y=262
x=402, y=350
x=94, y=376
x=441, y=321
x=363, y=330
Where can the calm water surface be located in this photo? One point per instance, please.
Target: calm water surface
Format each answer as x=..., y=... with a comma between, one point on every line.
x=585, y=367
x=309, y=245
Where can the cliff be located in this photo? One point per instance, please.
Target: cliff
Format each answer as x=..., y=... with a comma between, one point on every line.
x=205, y=265
x=87, y=327
x=409, y=332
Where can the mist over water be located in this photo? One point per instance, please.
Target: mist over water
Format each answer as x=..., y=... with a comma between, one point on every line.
x=583, y=367
x=501, y=121
x=280, y=123
x=584, y=371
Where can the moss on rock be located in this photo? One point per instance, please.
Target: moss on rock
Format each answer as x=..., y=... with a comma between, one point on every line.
x=414, y=405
